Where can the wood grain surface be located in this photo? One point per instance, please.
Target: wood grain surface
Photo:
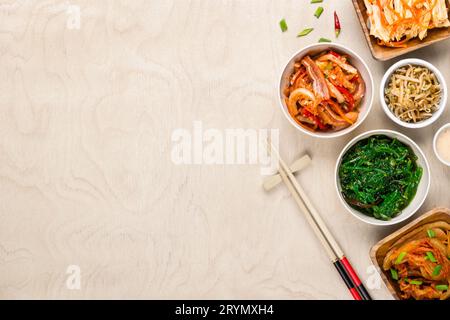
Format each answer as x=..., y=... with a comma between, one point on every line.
x=86, y=176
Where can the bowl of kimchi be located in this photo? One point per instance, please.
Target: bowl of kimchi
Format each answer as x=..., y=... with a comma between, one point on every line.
x=414, y=261
x=326, y=90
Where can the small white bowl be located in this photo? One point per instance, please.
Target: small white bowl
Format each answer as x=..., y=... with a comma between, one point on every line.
x=385, y=82
x=355, y=60
x=422, y=189
x=436, y=136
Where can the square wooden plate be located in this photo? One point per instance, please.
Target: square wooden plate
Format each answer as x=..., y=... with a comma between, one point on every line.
x=385, y=53
x=378, y=251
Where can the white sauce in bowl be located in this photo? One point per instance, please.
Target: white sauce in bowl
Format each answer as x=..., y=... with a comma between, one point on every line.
x=443, y=145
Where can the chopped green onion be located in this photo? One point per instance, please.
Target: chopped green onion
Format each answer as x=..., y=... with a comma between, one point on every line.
x=305, y=32
x=400, y=257
x=316, y=1
x=442, y=287
x=431, y=233
x=437, y=270
x=283, y=25
x=324, y=40
x=318, y=12
x=394, y=274
x=416, y=282
x=431, y=257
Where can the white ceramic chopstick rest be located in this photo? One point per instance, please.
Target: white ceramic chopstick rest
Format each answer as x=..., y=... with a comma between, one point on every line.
x=272, y=181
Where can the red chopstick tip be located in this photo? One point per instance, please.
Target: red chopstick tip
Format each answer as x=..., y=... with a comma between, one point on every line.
x=351, y=272
x=355, y=294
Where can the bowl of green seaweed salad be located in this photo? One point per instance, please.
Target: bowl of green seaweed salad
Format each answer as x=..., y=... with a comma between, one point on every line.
x=382, y=177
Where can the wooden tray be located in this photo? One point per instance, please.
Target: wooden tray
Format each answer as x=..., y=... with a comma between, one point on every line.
x=385, y=53
x=378, y=251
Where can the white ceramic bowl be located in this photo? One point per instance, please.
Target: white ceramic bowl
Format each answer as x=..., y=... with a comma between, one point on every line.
x=422, y=190
x=354, y=60
x=436, y=136
x=385, y=82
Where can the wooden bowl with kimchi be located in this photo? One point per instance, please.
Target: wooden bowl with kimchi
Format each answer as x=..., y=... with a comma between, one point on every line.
x=414, y=261
x=326, y=90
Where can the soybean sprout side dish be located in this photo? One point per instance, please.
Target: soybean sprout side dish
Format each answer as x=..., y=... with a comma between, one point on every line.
x=324, y=92
x=379, y=176
x=413, y=93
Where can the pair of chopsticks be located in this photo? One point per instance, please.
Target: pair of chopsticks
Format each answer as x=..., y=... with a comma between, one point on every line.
x=335, y=253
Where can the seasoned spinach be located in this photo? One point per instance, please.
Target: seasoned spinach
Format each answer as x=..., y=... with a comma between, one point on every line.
x=379, y=176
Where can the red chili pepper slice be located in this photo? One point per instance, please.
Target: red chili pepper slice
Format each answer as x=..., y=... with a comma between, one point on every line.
x=337, y=108
x=337, y=55
x=337, y=25
x=314, y=118
x=348, y=96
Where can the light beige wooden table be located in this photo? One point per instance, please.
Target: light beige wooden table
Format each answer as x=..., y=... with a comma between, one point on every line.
x=86, y=176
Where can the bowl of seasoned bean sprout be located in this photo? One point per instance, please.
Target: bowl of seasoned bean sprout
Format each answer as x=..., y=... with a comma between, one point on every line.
x=413, y=93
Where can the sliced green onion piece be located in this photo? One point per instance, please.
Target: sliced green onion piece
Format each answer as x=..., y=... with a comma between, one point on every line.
x=283, y=25
x=316, y=1
x=416, y=282
x=442, y=287
x=394, y=274
x=305, y=32
x=400, y=257
x=318, y=12
x=324, y=40
x=431, y=233
x=437, y=270
x=431, y=257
